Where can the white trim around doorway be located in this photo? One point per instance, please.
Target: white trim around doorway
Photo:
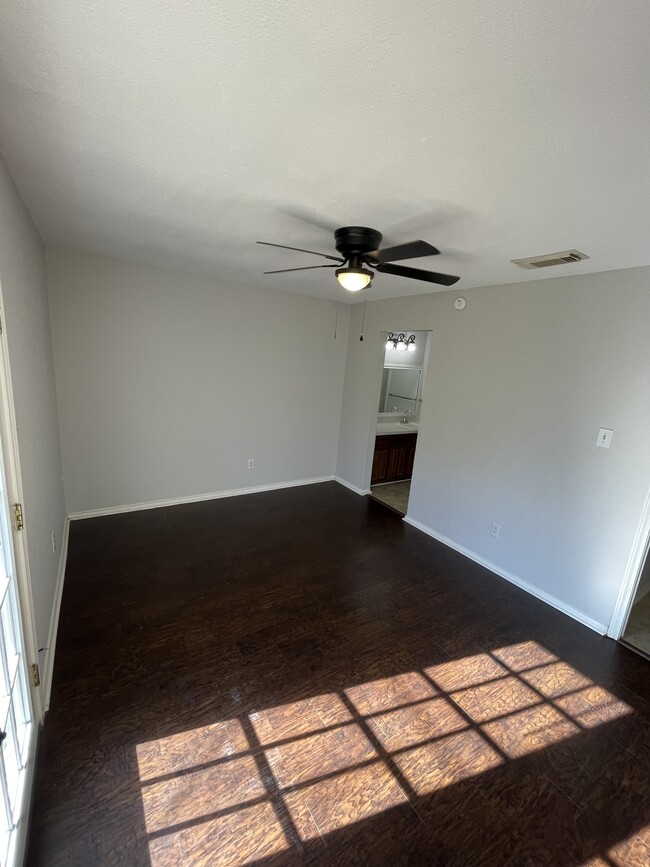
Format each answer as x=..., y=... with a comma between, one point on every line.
x=632, y=574
x=10, y=450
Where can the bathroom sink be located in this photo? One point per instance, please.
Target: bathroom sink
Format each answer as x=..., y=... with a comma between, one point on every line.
x=396, y=427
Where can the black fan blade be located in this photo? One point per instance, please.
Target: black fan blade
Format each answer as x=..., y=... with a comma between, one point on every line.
x=413, y=250
x=417, y=274
x=307, y=268
x=300, y=250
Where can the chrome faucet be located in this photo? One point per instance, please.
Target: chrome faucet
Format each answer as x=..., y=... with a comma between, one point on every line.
x=407, y=417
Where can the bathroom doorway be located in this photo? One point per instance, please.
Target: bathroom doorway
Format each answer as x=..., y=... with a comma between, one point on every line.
x=637, y=629
x=406, y=356
x=630, y=622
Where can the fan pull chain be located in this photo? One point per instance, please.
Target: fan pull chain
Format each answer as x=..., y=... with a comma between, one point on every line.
x=363, y=316
x=338, y=304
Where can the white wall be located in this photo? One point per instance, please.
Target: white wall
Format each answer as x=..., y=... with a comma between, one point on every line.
x=27, y=330
x=167, y=383
x=517, y=386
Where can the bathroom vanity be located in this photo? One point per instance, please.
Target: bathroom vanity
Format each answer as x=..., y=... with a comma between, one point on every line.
x=394, y=452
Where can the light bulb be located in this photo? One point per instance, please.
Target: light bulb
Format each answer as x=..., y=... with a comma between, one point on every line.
x=411, y=345
x=389, y=345
x=354, y=279
x=401, y=345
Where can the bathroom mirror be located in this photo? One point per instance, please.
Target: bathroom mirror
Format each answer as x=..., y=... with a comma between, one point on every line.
x=400, y=389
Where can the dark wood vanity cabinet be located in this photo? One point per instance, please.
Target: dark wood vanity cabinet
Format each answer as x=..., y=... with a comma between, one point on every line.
x=393, y=458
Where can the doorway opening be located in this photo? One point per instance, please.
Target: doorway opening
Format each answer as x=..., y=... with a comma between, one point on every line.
x=405, y=360
x=630, y=622
x=637, y=629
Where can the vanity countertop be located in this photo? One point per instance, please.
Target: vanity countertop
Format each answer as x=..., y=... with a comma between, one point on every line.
x=396, y=427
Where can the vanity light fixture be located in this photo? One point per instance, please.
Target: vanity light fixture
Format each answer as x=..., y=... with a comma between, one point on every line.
x=400, y=342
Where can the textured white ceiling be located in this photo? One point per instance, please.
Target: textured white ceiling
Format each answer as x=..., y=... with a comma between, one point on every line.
x=178, y=132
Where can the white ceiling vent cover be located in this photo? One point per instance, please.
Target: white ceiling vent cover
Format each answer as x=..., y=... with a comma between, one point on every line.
x=563, y=258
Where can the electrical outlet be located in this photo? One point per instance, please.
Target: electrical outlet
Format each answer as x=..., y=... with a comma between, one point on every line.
x=54, y=543
x=251, y=463
x=495, y=529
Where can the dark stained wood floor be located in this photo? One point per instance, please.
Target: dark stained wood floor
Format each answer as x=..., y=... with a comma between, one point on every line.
x=299, y=677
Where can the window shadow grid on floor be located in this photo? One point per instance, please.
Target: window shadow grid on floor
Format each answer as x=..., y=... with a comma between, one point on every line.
x=275, y=792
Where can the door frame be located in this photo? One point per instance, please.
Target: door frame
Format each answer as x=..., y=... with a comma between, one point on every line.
x=14, y=493
x=10, y=454
x=382, y=336
x=376, y=391
x=632, y=575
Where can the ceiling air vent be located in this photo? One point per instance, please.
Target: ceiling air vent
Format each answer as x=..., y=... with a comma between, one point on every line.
x=550, y=259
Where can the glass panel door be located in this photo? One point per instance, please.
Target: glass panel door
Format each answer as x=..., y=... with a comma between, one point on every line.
x=15, y=706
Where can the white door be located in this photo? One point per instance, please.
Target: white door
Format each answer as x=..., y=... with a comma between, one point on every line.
x=16, y=718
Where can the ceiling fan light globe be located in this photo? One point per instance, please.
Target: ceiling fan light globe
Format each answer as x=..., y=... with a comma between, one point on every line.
x=354, y=279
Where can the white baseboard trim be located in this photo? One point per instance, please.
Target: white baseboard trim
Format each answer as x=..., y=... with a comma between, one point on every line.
x=195, y=498
x=48, y=663
x=598, y=627
x=351, y=487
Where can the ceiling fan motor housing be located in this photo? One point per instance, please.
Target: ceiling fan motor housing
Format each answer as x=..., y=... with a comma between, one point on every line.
x=356, y=241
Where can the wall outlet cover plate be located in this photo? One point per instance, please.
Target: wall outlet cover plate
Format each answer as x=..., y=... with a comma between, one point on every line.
x=604, y=439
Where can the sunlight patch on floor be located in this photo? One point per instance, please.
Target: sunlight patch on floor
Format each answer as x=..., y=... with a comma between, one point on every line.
x=529, y=730
x=312, y=714
x=377, y=695
x=253, y=786
x=182, y=798
x=414, y=724
x=592, y=706
x=446, y=761
x=250, y=834
x=633, y=851
x=342, y=800
x=188, y=749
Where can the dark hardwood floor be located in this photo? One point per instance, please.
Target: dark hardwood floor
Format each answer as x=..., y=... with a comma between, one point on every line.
x=299, y=677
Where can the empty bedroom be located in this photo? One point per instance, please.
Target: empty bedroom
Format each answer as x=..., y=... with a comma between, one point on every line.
x=324, y=428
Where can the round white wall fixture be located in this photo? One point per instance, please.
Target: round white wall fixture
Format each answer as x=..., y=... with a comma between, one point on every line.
x=460, y=303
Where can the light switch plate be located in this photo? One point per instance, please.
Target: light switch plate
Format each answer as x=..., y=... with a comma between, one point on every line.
x=604, y=437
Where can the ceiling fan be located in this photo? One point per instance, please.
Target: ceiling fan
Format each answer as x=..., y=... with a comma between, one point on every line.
x=359, y=252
